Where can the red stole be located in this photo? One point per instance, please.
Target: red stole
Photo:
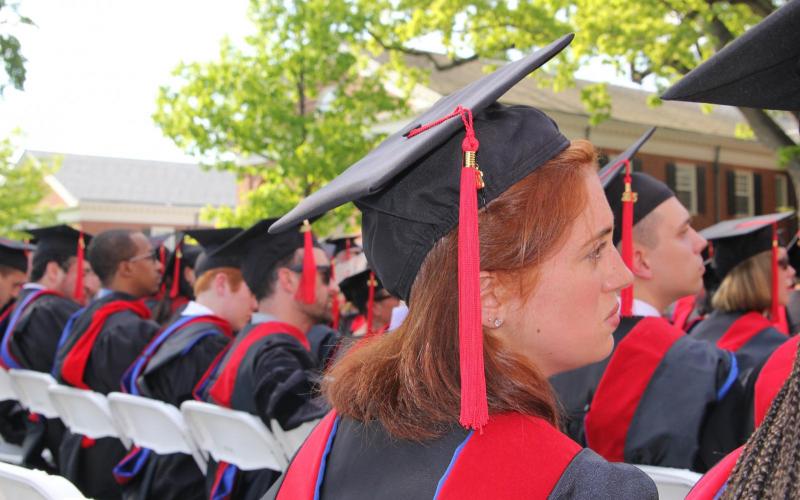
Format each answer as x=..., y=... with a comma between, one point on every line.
x=623, y=384
x=222, y=390
x=710, y=485
x=74, y=365
x=774, y=373
x=516, y=456
x=742, y=331
x=683, y=309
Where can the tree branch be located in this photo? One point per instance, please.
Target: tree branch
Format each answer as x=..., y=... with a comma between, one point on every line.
x=427, y=55
x=760, y=7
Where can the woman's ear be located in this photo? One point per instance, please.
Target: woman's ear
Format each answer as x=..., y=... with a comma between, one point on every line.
x=491, y=304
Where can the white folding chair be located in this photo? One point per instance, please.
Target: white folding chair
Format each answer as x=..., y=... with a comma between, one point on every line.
x=32, y=388
x=86, y=412
x=233, y=436
x=672, y=484
x=292, y=440
x=155, y=425
x=7, y=390
x=19, y=483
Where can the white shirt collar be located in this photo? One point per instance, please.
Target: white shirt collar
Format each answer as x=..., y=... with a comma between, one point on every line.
x=642, y=308
x=260, y=317
x=196, y=309
x=33, y=286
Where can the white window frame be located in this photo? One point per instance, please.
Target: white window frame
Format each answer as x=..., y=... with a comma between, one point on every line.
x=781, y=192
x=686, y=181
x=744, y=188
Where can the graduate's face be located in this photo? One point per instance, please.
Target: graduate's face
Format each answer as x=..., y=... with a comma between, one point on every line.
x=669, y=265
x=321, y=311
x=568, y=320
x=144, y=268
x=11, y=281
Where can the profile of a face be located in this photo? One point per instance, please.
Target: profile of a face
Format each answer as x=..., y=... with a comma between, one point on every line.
x=567, y=320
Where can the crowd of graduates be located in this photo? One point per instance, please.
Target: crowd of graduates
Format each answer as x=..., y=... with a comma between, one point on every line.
x=235, y=319
x=511, y=322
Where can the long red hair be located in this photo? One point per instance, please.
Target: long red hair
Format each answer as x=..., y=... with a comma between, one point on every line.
x=408, y=380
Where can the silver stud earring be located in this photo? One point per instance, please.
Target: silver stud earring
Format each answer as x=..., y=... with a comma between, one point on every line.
x=498, y=322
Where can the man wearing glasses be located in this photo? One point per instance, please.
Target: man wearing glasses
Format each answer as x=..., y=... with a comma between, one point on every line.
x=101, y=342
x=270, y=370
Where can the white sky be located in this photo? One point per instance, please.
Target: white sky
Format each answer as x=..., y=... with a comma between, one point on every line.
x=94, y=68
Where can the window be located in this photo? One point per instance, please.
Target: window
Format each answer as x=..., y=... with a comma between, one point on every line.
x=686, y=186
x=781, y=192
x=743, y=198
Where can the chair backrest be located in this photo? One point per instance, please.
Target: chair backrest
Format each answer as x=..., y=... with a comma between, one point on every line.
x=233, y=436
x=32, y=388
x=155, y=425
x=7, y=390
x=292, y=440
x=19, y=483
x=86, y=412
x=672, y=484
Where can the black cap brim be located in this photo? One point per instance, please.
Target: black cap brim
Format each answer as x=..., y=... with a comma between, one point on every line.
x=398, y=152
x=613, y=167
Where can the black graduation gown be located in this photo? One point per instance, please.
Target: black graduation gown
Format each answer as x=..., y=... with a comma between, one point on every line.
x=86, y=463
x=12, y=415
x=750, y=335
x=31, y=344
x=325, y=343
x=171, y=369
x=514, y=457
x=270, y=372
x=649, y=402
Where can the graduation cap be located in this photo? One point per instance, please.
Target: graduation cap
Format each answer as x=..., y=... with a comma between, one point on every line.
x=760, y=69
x=737, y=240
x=210, y=240
x=62, y=241
x=14, y=254
x=341, y=244
x=361, y=290
x=260, y=251
x=793, y=250
x=424, y=181
x=631, y=196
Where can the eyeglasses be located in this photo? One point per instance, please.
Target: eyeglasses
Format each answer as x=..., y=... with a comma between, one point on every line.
x=324, y=271
x=151, y=255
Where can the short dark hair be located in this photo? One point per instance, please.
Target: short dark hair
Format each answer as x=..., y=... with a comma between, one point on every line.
x=40, y=261
x=108, y=249
x=266, y=287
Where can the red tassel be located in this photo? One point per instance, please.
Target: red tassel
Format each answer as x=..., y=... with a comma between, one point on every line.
x=371, y=302
x=335, y=314
x=308, y=281
x=628, y=199
x=78, y=292
x=474, y=407
x=776, y=306
x=347, y=249
x=176, y=273
x=710, y=249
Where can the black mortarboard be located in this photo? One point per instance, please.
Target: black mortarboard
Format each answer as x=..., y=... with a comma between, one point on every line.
x=14, y=254
x=210, y=240
x=650, y=193
x=61, y=240
x=260, y=251
x=631, y=196
x=360, y=290
x=739, y=239
x=760, y=69
x=422, y=182
x=342, y=244
x=191, y=254
x=609, y=171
